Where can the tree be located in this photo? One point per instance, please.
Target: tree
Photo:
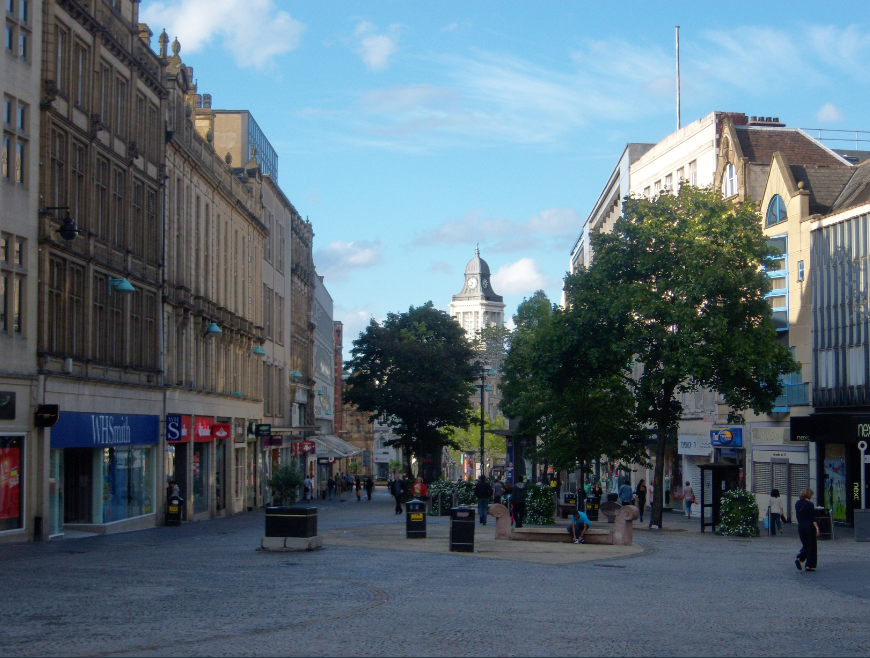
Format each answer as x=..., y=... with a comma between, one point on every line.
x=678, y=287
x=353, y=468
x=394, y=466
x=285, y=482
x=468, y=439
x=416, y=370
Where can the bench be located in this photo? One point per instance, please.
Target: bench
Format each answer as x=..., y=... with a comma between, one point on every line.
x=565, y=509
x=560, y=534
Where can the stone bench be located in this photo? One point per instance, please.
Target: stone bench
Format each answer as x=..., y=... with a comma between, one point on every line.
x=560, y=534
x=565, y=509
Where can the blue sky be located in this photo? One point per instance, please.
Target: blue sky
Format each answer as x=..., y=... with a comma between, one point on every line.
x=408, y=132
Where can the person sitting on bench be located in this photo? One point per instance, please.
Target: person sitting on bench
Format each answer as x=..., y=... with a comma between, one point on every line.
x=579, y=525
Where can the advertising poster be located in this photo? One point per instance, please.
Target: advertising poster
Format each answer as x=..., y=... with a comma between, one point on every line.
x=10, y=483
x=835, y=480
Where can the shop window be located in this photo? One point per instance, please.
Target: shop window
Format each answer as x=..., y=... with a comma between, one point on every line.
x=11, y=482
x=776, y=268
x=128, y=483
x=776, y=211
x=239, y=480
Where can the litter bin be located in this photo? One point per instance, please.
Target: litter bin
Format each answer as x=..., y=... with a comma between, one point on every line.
x=173, y=511
x=593, y=503
x=570, y=498
x=462, y=529
x=862, y=524
x=612, y=497
x=823, y=518
x=291, y=522
x=415, y=519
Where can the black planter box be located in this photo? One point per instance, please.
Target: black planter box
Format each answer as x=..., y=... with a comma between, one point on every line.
x=291, y=522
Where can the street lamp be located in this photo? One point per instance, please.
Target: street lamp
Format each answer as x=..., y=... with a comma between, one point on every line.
x=68, y=230
x=482, y=369
x=120, y=286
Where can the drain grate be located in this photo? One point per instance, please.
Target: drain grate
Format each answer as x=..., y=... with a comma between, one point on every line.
x=611, y=566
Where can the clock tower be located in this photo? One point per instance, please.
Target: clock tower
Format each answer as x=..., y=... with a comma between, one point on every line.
x=477, y=306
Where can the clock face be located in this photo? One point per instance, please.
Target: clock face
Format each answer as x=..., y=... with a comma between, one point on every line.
x=472, y=283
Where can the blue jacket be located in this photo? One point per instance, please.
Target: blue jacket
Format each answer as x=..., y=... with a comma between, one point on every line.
x=580, y=518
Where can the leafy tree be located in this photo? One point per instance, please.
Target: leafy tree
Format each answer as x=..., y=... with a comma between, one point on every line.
x=414, y=369
x=285, y=482
x=354, y=468
x=468, y=439
x=394, y=466
x=679, y=287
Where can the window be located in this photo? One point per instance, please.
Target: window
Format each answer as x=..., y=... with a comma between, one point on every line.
x=776, y=211
x=10, y=37
x=12, y=484
x=121, y=108
x=693, y=173
x=136, y=336
x=56, y=320
x=681, y=176
x=22, y=117
x=98, y=335
x=115, y=337
x=22, y=45
x=62, y=40
x=19, y=161
x=646, y=191
x=75, y=326
x=7, y=111
x=729, y=183
x=141, y=124
x=80, y=74
x=23, y=5
x=106, y=95
x=119, y=215
x=58, y=169
x=78, y=186
x=800, y=270
x=101, y=198
x=149, y=349
x=776, y=268
x=268, y=237
x=152, y=244
x=5, y=168
x=657, y=187
x=138, y=219
x=669, y=182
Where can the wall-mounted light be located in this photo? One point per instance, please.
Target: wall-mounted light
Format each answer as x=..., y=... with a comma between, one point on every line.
x=212, y=330
x=295, y=373
x=258, y=350
x=120, y=286
x=68, y=230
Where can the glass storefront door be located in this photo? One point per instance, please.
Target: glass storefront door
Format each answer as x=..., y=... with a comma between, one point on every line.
x=78, y=467
x=55, y=493
x=200, y=477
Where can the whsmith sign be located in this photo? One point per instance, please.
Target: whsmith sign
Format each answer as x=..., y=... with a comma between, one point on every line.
x=82, y=430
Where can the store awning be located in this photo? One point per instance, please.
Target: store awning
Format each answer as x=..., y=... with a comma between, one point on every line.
x=331, y=446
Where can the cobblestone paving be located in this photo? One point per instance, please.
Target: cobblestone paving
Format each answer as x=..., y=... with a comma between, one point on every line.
x=202, y=589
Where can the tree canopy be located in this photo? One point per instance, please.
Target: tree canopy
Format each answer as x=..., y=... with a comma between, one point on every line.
x=415, y=371
x=678, y=286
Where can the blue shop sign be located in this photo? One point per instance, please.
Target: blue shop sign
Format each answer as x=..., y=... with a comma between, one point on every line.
x=82, y=430
x=727, y=437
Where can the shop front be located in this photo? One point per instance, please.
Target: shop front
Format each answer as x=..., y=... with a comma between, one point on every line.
x=695, y=451
x=838, y=461
x=104, y=467
x=777, y=463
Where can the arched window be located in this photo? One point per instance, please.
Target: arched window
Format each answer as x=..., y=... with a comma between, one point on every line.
x=729, y=182
x=776, y=211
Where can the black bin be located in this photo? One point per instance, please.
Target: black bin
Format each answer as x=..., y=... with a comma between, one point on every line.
x=462, y=529
x=173, y=511
x=613, y=498
x=570, y=498
x=291, y=521
x=415, y=519
x=823, y=518
x=593, y=504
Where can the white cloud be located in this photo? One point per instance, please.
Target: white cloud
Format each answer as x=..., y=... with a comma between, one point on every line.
x=312, y=197
x=376, y=49
x=519, y=278
x=339, y=258
x=440, y=267
x=555, y=228
x=450, y=27
x=828, y=114
x=253, y=31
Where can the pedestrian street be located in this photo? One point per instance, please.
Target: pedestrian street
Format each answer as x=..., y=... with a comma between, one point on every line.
x=204, y=589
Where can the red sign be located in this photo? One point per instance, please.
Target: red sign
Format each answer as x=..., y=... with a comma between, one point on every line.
x=221, y=430
x=202, y=429
x=307, y=447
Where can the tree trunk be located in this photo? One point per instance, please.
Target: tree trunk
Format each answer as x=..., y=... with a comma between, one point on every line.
x=659, y=474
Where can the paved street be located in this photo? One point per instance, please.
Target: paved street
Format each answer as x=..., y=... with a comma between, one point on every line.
x=203, y=589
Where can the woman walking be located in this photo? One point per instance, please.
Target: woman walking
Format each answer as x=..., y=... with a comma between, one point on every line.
x=777, y=513
x=358, y=486
x=640, y=492
x=808, y=529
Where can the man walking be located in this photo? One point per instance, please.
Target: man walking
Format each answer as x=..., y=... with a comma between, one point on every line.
x=370, y=485
x=482, y=490
x=518, y=498
x=331, y=486
x=397, y=490
x=625, y=493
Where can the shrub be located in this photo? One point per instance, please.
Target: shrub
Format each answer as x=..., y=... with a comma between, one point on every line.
x=285, y=483
x=738, y=516
x=540, y=506
x=440, y=505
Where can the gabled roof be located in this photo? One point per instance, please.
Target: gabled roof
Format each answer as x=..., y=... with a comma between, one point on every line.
x=825, y=183
x=855, y=191
x=759, y=143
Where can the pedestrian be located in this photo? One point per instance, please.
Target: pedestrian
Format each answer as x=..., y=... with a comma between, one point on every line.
x=323, y=486
x=518, y=498
x=307, y=493
x=397, y=490
x=370, y=485
x=172, y=490
x=497, y=492
x=331, y=486
x=419, y=489
x=640, y=492
x=808, y=529
x=358, y=484
x=482, y=490
x=597, y=491
x=580, y=523
x=625, y=493
x=688, y=498
x=777, y=513
x=341, y=485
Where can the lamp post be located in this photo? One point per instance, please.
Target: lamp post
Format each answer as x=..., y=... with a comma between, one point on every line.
x=482, y=367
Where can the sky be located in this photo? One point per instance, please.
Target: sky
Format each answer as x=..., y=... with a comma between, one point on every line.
x=409, y=132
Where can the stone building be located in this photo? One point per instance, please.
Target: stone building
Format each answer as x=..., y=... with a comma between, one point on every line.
x=102, y=158
x=213, y=308
x=22, y=485
x=359, y=432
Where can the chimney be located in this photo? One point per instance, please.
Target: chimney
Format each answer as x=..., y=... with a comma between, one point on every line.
x=206, y=101
x=766, y=122
x=197, y=101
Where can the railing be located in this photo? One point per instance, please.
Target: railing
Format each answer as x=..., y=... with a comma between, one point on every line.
x=794, y=395
x=856, y=137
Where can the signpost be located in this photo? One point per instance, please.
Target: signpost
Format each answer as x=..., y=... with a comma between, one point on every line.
x=862, y=446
